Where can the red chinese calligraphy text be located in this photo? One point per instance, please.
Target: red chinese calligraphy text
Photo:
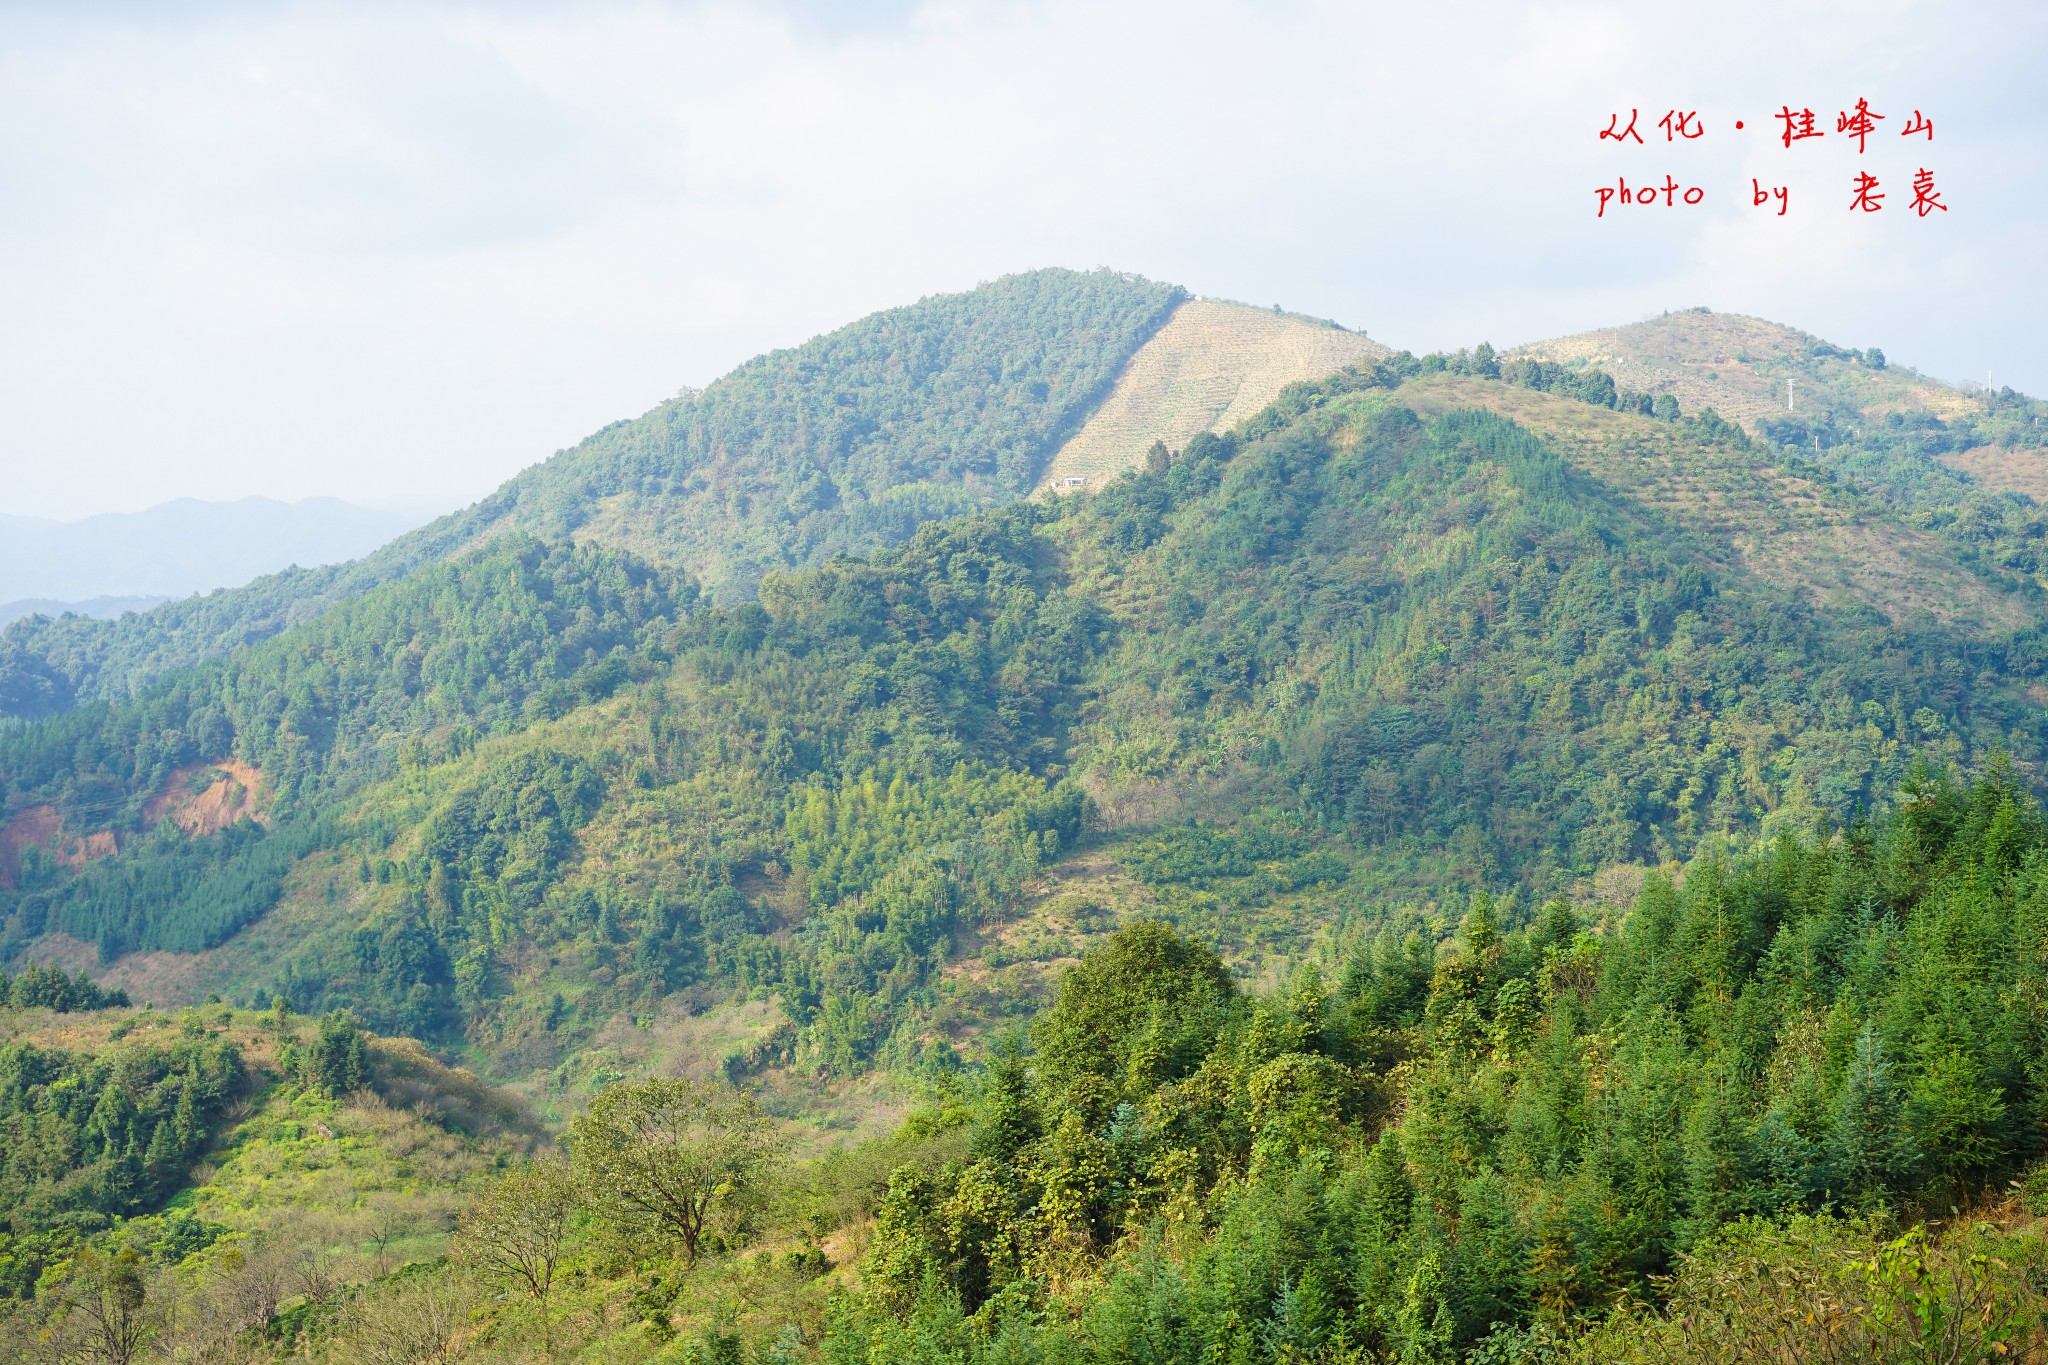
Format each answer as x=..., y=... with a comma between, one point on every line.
x=1860, y=124
x=1926, y=198
x=1797, y=126
x=1681, y=124
x=1630, y=131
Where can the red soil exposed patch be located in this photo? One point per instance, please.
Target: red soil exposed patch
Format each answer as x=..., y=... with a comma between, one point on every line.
x=41, y=827
x=36, y=827
x=212, y=807
x=201, y=807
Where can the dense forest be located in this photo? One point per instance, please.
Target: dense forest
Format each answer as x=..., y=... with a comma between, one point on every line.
x=90, y=1138
x=1705, y=1127
x=1499, y=1140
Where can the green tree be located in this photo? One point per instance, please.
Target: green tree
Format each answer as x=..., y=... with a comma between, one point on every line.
x=1144, y=973
x=514, y=1233
x=339, y=1061
x=686, y=1160
x=1871, y=1146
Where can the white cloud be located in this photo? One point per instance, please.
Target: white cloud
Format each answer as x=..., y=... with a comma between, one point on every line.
x=396, y=252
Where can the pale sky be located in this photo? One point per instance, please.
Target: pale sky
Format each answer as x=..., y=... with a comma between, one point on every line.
x=395, y=253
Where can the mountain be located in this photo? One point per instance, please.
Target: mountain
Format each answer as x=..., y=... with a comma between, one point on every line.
x=1894, y=445
x=1415, y=863
x=1741, y=367
x=1797, y=389
x=184, y=547
x=101, y=608
x=1425, y=627
x=842, y=445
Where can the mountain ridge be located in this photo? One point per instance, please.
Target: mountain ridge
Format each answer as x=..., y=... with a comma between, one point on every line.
x=185, y=546
x=915, y=412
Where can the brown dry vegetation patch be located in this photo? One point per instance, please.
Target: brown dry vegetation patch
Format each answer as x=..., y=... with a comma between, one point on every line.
x=1902, y=572
x=1773, y=523
x=1003, y=973
x=1739, y=367
x=74, y=955
x=2008, y=471
x=36, y=827
x=1210, y=367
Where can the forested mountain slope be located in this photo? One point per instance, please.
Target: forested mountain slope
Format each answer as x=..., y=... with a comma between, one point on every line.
x=1708, y=1128
x=1664, y=703
x=1382, y=645
x=844, y=444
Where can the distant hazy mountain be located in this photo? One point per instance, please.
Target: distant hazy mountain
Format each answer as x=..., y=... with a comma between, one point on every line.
x=103, y=608
x=182, y=547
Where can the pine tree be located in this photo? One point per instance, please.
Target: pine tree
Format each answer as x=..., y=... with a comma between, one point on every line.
x=1870, y=1148
x=1007, y=1120
x=1428, y=1331
x=184, y=1123
x=339, y=1062
x=1716, y=1154
x=162, y=1153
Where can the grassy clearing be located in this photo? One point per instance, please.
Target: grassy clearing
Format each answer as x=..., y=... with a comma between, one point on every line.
x=1210, y=367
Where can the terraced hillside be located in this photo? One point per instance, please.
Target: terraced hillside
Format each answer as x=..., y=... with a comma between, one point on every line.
x=1849, y=409
x=1760, y=515
x=1739, y=366
x=1210, y=367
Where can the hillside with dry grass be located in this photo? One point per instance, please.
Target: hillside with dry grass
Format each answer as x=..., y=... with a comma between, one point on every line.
x=1212, y=366
x=1740, y=366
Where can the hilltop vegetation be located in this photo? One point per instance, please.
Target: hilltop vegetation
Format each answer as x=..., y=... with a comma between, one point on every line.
x=1900, y=440
x=844, y=444
x=1212, y=366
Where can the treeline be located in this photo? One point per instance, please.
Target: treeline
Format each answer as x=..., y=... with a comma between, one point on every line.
x=48, y=988
x=848, y=443
x=468, y=644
